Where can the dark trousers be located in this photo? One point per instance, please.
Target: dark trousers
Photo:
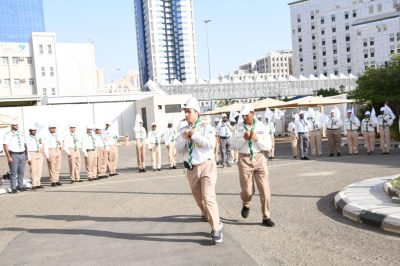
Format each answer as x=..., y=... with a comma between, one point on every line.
x=225, y=151
x=303, y=144
x=17, y=168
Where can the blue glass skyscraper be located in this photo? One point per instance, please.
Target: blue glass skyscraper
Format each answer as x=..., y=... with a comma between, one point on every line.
x=19, y=18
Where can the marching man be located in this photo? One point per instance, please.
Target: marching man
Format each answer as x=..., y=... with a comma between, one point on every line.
x=198, y=140
x=385, y=120
x=352, y=124
x=140, y=135
x=72, y=147
x=102, y=153
x=170, y=136
x=53, y=145
x=90, y=152
x=315, y=128
x=251, y=138
x=155, y=147
x=334, y=133
x=35, y=157
x=110, y=137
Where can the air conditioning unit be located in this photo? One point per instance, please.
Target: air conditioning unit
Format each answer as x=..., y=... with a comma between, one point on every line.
x=21, y=59
x=23, y=80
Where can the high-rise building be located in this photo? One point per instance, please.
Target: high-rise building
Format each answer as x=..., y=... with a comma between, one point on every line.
x=343, y=36
x=165, y=40
x=19, y=18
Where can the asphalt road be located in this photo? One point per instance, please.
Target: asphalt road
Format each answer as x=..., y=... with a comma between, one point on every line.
x=152, y=219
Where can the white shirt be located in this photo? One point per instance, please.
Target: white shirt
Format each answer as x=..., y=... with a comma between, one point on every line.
x=352, y=123
x=240, y=144
x=291, y=128
x=72, y=141
x=203, y=142
x=313, y=124
x=385, y=120
x=224, y=130
x=334, y=123
x=301, y=126
x=100, y=142
x=33, y=144
x=270, y=128
x=170, y=135
x=367, y=125
x=140, y=133
x=88, y=143
x=15, y=141
x=154, y=138
x=52, y=141
x=110, y=136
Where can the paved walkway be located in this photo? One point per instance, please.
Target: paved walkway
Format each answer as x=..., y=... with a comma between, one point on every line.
x=366, y=202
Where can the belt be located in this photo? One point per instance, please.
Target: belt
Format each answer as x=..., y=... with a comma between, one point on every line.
x=209, y=159
x=332, y=128
x=224, y=137
x=54, y=148
x=90, y=150
x=35, y=151
x=247, y=154
x=14, y=152
x=351, y=129
x=315, y=130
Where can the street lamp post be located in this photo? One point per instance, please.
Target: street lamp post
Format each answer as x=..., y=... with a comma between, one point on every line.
x=206, y=21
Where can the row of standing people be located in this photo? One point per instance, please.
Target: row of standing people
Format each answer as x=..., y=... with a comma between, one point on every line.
x=98, y=147
x=306, y=133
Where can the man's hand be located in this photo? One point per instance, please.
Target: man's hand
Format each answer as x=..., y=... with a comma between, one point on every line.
x=10, y=159
x=29, y=162
x=247, y=135
x=187, y=134
x=253, y=136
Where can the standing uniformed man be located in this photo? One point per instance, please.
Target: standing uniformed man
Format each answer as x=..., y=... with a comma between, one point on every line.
x=111, y=137
x=384, y=122
x=368, y=131
x=170, y=136
x=72, y=147
x=155, y=147
x=225, y=133
x=251, y=138
x=234, y=153
x=334, y=133
x=293, y=137
x=302, y=135
x=140, y=135
x=35, y=157
x=15, y=149
x=102, y=153
x=53, y=147
x=315, y=128
x=217, y=148
x=90, y=152
x=271, y=131
x=352, y=123
x=198, y=140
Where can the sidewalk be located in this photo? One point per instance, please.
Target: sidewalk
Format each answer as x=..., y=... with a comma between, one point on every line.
x=366, y=202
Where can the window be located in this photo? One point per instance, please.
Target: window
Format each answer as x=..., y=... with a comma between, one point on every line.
x=336, y=72
x=7, y=83
x=49, y=50
x=346, y=15
x=15, y=60
x=322, y=20
x=44, y=91
x=43, y=71
x=333, y=29
x=323, y=42
x=333, y=18
x=391, y=38
x=315, y=67
x=301, y=59
x=365, y=55
x=347, y=27
x=313, y=37
x=323, y=53
x=172, y=108
x=53, y=91
x=51, y=71
x=299, y=39
x=391, y=51
x=29, y=60
x=334, y=51
x=314, y=57
x=371, y=10
x=31, y=82
x=17, y=82
x=348, y=60
x=40, y=49
x=322, y=32
x=313, y=26
x=347, y=49
x=347, y=38
x=299, y=29
x=300, y=49
x=372, y=54
x=335, y=61
x=379, y=7
x=354, y=13
x=371, y=42
x=314, y=47
x=348, y=70
x=365, y=44
x=4, y=60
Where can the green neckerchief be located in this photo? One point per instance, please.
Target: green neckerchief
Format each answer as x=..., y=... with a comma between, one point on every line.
x=36, y=141
x=250, y=142
x=190, y=143
x=93, y=141
x=74, y=140
x=366, y=124
x=16, y=133
x=101, y=137
x=55, y=135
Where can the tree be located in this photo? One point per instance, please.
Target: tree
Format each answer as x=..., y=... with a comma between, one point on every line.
x=327, y=92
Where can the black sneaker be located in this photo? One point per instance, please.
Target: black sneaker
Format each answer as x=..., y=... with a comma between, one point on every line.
x=338, y=154
x=40, y=186
x=140, y=170
x=159, y=169
x=53, y=184
x=14, y=190
x=268, y=222
x=245, y=212
x=174, y=167
x=58, y=184
x=72, y=181
x=143, y=170
x=331, y=155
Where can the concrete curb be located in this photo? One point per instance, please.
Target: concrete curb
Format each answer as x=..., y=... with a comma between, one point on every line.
x=378, y=209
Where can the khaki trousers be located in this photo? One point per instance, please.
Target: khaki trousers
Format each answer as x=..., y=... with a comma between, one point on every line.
x=384, y=133
x=74, y=161
x=369, y=139
x=102, y=160
x=293, y=142
x=352, y=141
x=271, y=152
x=202, y=180
x=334, y=140
x=172, y=154
x=54, y=164
x=235, y=155
x=91, y=164
x=258, y=172
x=140, y=153
x=156, y=156
x=315, y=142
x=217, y=149
x=36, y=167
x=112, y=159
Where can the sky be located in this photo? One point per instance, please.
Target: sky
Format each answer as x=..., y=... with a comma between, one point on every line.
x=240, y=31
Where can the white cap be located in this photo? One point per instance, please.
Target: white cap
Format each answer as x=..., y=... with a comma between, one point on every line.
x=333, y=111
x=367, y=113
x=154, y=124
x=89, y=126
x=382, y=109
x=349, y=111
x=259, y=116
x=138, y=119
x=224, y=115
x=71, y=125
x=192, y=103
x=15, y=122
x=52, y=124
x=246, y=109
x=294, y=115
x=216, y=119
x=108, y=123
x=302, y=112
x=32, y=127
